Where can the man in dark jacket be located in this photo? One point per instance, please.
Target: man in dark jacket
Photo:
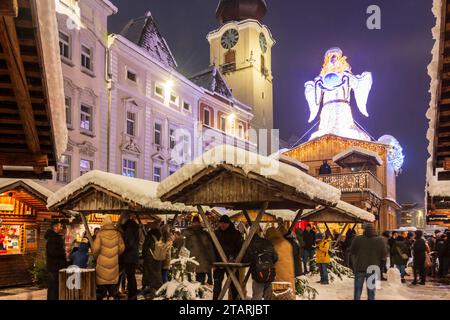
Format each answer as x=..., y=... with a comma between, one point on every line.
x=419, y=254
x=231, y=241
x=130, y=257
x=392, y=251
x=440, y=243
x=367, y=251
x=308, y=251
x=56, y=258
x=262, y=258
x=199, y=243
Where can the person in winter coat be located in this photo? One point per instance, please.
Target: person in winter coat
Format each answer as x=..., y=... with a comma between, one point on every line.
x=107, y=247
x=199, y=243
x=56, y=258
x=400, y=256
x=440, y=244
x=419, y=250
x=167, y=238
x=323, y=257
x=349, y=236
x=284, y=267
x=383, y=264
x=392, y=251
x=231, y=241
x=262, y=258
x=152, y=271
x=296, y=251
x=446, y=255
x=367, y=251
x=80, y=257
x=130, y=257
x=308, y=251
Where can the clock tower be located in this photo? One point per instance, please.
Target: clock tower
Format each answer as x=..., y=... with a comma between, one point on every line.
x=241, y=47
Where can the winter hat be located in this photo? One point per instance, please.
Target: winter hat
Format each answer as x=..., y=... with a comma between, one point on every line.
x=419, y=234
x=369, y=230
x=225, y=219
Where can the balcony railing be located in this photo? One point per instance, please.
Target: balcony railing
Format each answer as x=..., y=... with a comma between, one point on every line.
x=354, y=182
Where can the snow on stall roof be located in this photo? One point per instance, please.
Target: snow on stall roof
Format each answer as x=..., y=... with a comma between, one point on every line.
x=355, y=211
x=252, y=162
x=287, y=215
x=359, y=150
x=33, y=185
x=139, y=191
x=290, y=161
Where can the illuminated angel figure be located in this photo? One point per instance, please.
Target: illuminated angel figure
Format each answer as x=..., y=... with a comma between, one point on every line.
x=331, y=91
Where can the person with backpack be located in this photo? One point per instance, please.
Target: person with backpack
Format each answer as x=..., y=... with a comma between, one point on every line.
x=154, y=253
x=323, y=257
x=262, y=258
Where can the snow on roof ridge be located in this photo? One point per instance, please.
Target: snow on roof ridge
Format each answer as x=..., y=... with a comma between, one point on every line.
x=252, y=162
x=32, y=184
x=355, y=211
x=140, y=191
x=350, y=150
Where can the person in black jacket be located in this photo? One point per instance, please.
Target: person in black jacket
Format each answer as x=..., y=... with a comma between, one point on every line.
x=56, y=258
x=308, y=251
x=231, y=241
x=130, y=257
x=446, y=255
x=392, y=251
x=262, y=258
x=419, y=253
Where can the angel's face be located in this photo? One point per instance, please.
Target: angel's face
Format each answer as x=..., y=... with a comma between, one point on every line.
x=334, y=60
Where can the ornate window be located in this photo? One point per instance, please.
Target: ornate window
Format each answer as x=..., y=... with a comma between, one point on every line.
x=131, y=123
x=65, y=46
x=86, y=122
x=156, y=173
x=86, y=58
x=129, y=168
x=68, y=105
x=157, y=133
x=64, y=169
x=85, y=166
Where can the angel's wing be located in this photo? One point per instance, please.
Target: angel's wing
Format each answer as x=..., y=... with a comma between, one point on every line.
x=361, y=87
x=310, y=94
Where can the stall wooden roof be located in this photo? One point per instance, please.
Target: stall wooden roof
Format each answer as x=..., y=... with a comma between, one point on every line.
x=233, y=178
x=98, y=191
x=342, y=213
x=32, y=130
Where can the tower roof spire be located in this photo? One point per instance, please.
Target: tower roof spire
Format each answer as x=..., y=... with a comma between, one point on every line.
x=238, y=10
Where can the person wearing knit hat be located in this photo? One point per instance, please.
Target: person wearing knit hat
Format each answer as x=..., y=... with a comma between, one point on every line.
x=366, y=252
x=231, y=241
x=323, y=257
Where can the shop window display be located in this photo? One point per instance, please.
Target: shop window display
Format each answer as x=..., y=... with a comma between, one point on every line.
x=10, y=239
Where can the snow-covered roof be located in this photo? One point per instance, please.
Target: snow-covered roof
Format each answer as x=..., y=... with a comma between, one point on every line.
x=47, y=31
x=358, y=150
x=287, y=215
x=5, y=183
x=212, y=80
x=290, y=161
x=438, y=188
x=144, y=32
x=139, y=191
x=258, y=164
x=345, y=208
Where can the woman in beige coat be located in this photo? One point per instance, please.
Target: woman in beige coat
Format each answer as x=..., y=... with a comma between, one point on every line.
x=285, y=264
x=107, y=247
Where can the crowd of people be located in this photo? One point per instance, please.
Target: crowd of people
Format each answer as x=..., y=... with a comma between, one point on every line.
x=119, y=250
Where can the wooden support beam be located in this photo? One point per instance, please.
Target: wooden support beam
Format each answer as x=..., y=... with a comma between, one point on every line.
x=222, y=254
x=20, y=174
x=340, y=236
x=22, y=159
x=297, y=217
x=11, y=49
x=86, y=227
x=9, y=8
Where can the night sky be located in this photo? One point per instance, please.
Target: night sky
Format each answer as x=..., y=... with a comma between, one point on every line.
x=397, y=55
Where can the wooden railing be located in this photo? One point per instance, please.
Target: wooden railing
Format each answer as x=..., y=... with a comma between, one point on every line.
x=354, y=182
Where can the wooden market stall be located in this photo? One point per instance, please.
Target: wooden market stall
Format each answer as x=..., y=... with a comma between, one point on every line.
x=33, y=133
x=23, y=212
x=97, y=193
x=338, y=218
x=236, y=179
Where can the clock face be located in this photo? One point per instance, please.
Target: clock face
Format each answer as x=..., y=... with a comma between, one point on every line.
x=230, y=38
x=263, y=42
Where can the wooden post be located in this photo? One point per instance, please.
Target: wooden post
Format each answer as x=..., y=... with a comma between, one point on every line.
x=297, y=217
x=340, y=236
x=232, y=276
x=328, y=229
x=247, y=242
x=88, y=231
